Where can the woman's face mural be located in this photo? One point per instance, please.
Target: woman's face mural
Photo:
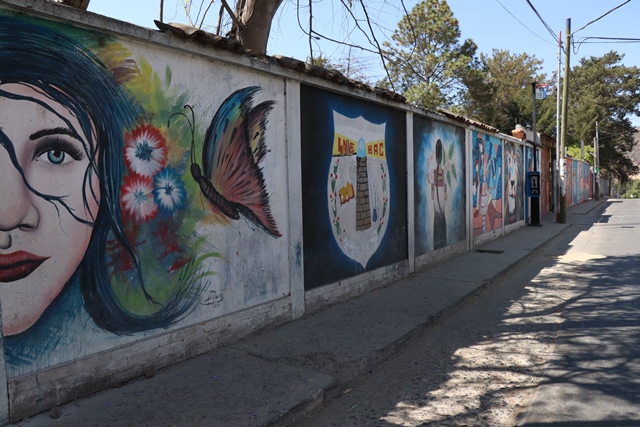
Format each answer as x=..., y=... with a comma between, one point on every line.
x=116, y=193
x=41, y=243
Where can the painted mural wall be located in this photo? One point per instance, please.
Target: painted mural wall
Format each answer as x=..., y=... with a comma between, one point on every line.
x=585, y=182
x=579, y=181
x=148, y=193
x=440, y=196
x=575, y=179
x=148, y=196
x=354, y=186
x=569, y=179
x=486, y=183
x=514, y=190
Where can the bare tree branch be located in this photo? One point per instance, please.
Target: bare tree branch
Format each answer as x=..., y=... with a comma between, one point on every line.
x=186, y=5
x=219, y=27
x=355, y=20
x=357, y=46
x=232, y=15
x=311, y=31
x=204, y=14
x=384, y=64
x=241, y=25
x=200, y=10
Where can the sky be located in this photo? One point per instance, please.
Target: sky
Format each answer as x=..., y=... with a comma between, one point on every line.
x=503, y=24
x=511, y=25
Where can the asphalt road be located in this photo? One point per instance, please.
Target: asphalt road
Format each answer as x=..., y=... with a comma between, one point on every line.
x=593, y=376
x=553, y=343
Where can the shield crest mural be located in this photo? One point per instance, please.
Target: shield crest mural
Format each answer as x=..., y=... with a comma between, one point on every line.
x=358, y=186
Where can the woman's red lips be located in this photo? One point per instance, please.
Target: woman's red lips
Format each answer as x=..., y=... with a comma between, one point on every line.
x=18, y=265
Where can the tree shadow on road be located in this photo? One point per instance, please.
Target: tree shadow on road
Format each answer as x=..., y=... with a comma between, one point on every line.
x=481, y=364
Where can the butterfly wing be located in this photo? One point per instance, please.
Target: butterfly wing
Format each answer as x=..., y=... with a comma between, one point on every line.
x=233, y=148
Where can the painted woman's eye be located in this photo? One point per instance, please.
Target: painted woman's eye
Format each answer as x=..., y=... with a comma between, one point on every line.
x=56, y=156
x=58, y=151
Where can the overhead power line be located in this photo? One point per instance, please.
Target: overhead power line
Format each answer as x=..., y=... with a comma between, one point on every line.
x=609, y=40
x=521, y=23
x=602, y=16
x=553, y=34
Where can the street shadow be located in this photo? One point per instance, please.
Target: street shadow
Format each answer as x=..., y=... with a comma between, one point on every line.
x=596, y=358
x=563, y=304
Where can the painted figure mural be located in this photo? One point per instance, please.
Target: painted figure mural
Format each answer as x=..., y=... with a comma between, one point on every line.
x=439, y=198
x=575, y=180
x=486, y=183
x=439, y=184
x=103, y=218
x=514, y=183
x=354, y=216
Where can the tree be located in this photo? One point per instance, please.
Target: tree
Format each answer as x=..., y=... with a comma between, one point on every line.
x=500, y=92
x=604, y=91
x=425, y=60
x=250, y=21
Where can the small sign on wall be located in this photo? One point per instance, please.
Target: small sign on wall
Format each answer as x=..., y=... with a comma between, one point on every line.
x=533, y=184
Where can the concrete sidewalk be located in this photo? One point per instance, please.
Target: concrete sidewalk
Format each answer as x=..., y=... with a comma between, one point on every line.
x=278, y=375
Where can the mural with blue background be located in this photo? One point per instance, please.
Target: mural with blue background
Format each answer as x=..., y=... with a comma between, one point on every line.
x=440, y=196
x=353, y=186
x=486, y=183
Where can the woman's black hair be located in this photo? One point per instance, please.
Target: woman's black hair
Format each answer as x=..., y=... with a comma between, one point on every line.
x=438, y=151
x=68, y=73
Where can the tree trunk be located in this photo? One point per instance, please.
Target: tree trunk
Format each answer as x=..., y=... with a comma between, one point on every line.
x=256, y=17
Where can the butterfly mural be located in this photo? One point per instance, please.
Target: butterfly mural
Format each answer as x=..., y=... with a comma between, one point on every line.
x=230, y=177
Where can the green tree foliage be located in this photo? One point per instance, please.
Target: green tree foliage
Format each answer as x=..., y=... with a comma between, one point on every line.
x=351, y=67
x=629, y=189
x=321, y=60
x=604, y=90
x=425, y=59
x=574, y=151
x=500, y=92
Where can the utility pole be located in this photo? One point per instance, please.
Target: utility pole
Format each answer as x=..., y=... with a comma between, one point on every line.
x=595, y=179
x=556, y=164
x=596, y=164
x=561, y=217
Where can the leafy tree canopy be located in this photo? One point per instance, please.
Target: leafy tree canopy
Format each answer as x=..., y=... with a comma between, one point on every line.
x=426, y=61
x=605, y=91
x=500, y=92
